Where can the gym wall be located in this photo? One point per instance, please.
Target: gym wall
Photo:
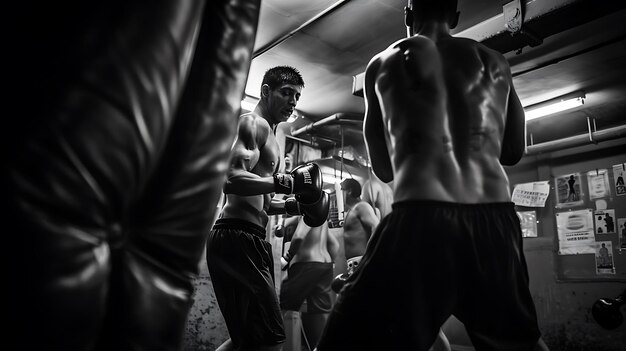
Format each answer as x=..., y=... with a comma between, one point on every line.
x=564, y=287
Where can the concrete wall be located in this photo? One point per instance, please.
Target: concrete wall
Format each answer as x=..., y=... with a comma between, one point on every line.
x=205, y=329
x=563, y=301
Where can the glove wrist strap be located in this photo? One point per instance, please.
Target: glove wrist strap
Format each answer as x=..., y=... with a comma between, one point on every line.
x=283, y=183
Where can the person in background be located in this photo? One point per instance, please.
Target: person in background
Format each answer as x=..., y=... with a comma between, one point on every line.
x=358, y=226
x=309, y=265
x=441, y=119
x=378, y=194
x=360, y=220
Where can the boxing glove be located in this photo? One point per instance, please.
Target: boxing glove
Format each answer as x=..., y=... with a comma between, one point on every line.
x=314, y=215
x=339, y=282
x=305, y=181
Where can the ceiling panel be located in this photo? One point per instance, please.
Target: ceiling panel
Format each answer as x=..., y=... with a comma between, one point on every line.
x=583, y=48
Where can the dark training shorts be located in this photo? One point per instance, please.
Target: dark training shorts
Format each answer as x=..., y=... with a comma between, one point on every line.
x=310, y=281
x=242, y=272
x=428, y=260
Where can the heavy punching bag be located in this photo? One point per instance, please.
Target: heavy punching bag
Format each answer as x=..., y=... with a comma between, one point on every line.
x=114, y=156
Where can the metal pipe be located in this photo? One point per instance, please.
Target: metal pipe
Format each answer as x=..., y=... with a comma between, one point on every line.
x=569, y=56
x=589, y=129
x=300, y=140
x=276, y=42
x=321, y=122
x=578, y=140
x=342, y=150
x=337, y=117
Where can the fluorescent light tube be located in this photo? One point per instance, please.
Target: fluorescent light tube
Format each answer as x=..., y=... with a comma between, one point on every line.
x=558, y=106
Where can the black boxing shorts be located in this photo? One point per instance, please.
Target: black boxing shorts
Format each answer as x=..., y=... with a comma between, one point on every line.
x=242, y=272
x=310, y=281
x=428, y=260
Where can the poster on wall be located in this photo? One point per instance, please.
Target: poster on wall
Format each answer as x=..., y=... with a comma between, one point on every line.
x=598, y=181
x=528, y=222
x=619, y=172
x=605, y=221
x=621, y=229
x=531, y=194
x=576, y=235
x=604, y=258
x=568, y=190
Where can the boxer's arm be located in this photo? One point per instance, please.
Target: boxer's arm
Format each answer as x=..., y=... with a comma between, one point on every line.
x=514, y=138
x=373, y=126
x=332, y=244
x=245, y=155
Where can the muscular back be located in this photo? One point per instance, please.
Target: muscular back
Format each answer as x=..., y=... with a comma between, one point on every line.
x=437, y=115
x=317, y=243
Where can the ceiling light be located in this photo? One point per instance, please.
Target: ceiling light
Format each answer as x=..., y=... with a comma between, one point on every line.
x=559, y=104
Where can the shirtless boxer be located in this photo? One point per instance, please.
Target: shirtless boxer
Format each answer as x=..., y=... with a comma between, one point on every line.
x=442, y=117
x=358, y=226
x=309, y=261
x=359, y=223
x=238, y=256
x=379, y=195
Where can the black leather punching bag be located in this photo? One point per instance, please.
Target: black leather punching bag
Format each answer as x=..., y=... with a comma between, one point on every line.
x=113, y=164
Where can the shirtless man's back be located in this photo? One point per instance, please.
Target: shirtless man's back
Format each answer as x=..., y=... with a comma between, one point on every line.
x=318, y=245
x=445, y=141
x=310, y=272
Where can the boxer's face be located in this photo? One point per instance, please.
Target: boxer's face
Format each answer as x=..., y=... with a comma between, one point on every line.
x=282, y=101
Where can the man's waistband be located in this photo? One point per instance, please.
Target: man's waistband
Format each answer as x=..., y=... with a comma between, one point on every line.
x=434, y=203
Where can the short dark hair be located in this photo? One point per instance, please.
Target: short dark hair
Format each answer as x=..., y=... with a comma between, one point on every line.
x=278, y=75
x=433, y=4
x=353, y=186
x=433, y=8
